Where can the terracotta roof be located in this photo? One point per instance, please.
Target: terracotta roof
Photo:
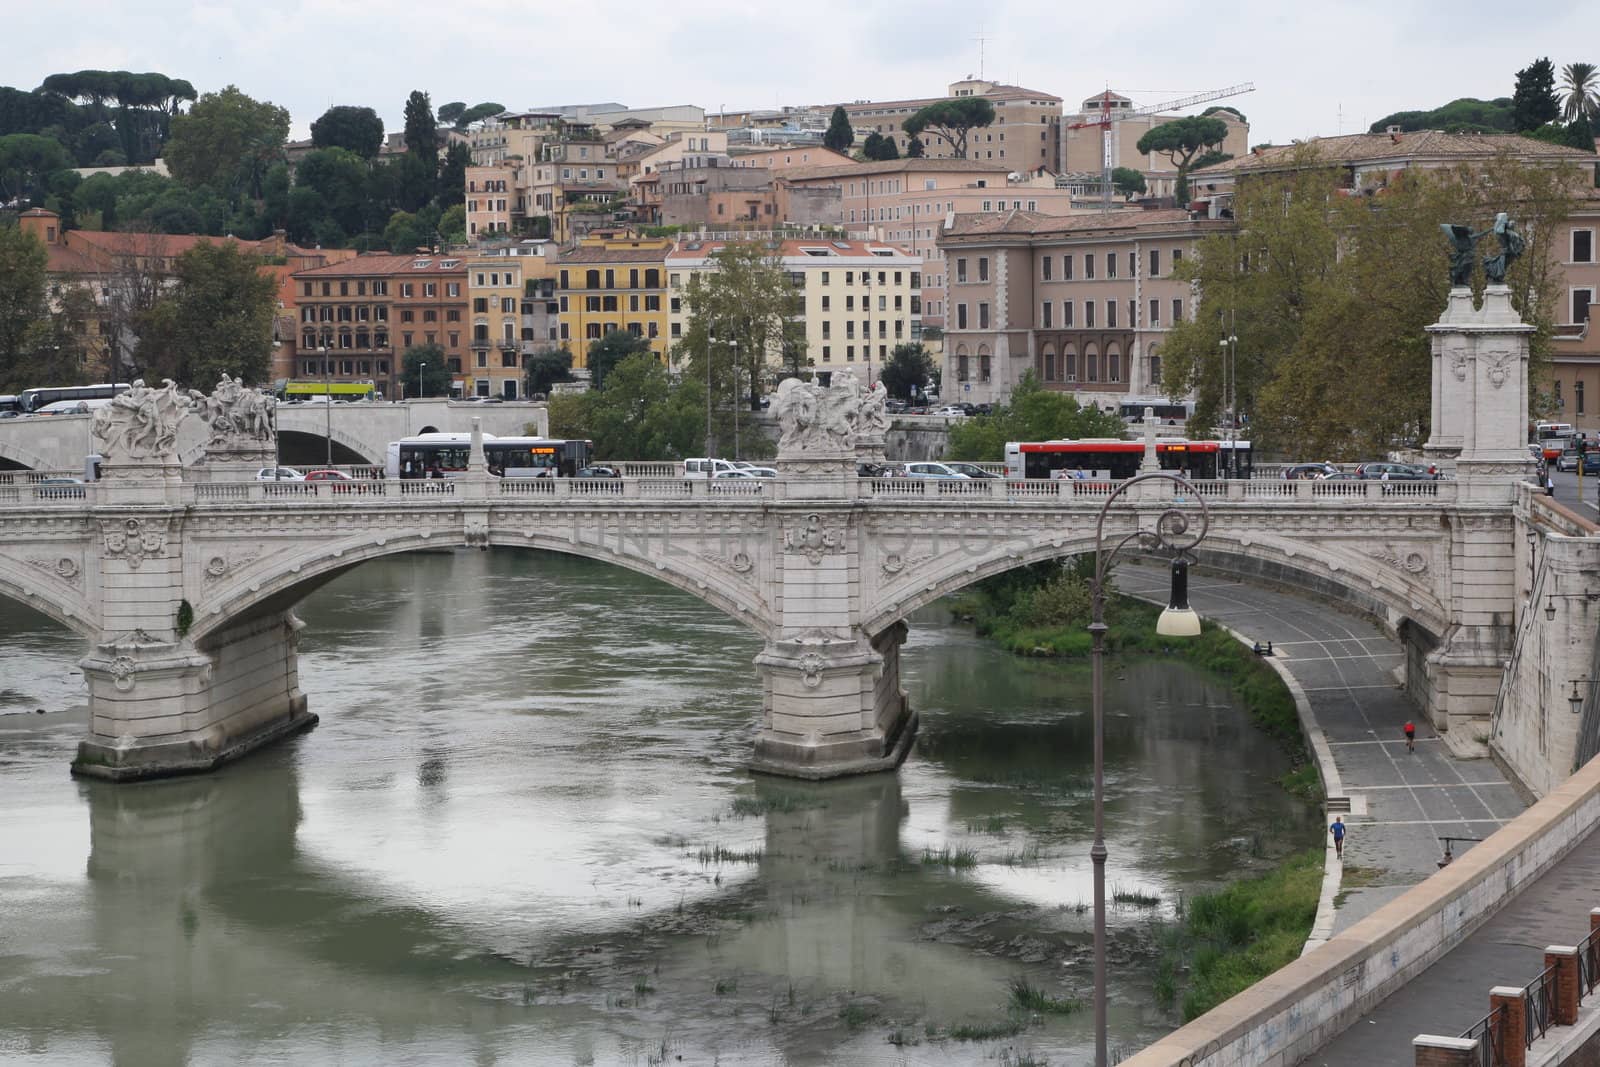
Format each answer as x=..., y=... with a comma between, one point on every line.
x=1374, y=148
x=789, y=247
x=894, y=166
x=166, y=245
x=63, y=260
x=381, y=263
x=614, y=255
x=1031, y=223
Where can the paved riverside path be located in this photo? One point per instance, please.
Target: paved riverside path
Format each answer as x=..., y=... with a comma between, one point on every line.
x=1402, y=803
x=1346, y=666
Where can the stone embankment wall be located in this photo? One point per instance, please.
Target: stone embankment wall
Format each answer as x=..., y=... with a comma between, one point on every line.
x=1285, y=1018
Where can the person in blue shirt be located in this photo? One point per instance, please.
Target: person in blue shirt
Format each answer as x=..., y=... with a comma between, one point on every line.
x=1337, y=830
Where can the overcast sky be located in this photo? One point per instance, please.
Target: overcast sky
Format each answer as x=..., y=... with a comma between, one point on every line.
x=1320, y=69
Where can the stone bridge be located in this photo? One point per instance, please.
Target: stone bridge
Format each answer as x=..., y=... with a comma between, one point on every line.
x=182, y=576
x=360, y=432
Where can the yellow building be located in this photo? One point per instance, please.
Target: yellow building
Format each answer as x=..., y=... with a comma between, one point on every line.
x=859, y=298
x=613, y=283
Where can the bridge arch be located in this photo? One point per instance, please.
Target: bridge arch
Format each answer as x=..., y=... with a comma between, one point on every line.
x=277, y=584
x=1394, y=593
x=50, y=587
x=16, y=456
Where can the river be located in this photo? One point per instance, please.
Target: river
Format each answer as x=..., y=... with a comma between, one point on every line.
x=522, y=835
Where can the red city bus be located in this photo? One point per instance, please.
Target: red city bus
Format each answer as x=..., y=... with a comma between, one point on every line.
x=1106, y=458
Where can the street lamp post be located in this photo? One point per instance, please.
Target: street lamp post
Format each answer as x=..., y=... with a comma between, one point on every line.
x=1230, y=351
x=420, y=368
x=733, y=365
x=327, y=398
x=711, y=342
x=1171, y=534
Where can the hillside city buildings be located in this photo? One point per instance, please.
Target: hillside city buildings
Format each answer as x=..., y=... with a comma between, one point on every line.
x=583, y=219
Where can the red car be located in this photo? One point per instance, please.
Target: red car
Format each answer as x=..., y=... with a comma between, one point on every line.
x=331, y=476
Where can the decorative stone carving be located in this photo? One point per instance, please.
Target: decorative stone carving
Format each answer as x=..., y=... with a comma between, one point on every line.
x=896, y=563
x=815, y=539
x=122, y=669
x=872, y=416
x=134, y=541
x=142, y=424
x=1498, y=363
x=476, y=532
x=64, y=567
x=1412, y=562
x=818, y=420
x=219, y=567
x=811, y=665
x=239, y=417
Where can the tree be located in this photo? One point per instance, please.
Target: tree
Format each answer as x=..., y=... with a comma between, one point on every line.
x=355, y=129
x=422, y=132
x=476, y=112
x=606, y=352
x=452, y=111
x=22, y=304
x=907, y=371
x=639, y=413
x=340, y=177
x=745, y=301
x=1580, y=89
x=1033, y=413
x=1533, y=102
x=217, y=318
x=1330, y=295
x=951, y=121
x=1128, y=182
x=453, y=224
x=428, y=361
x=915, y=149
x=453, y=176
x=546, y=369
x=879, y=147
x=1224, y=110
x=138, y=280
x=1180, y=141
x=26, y=161
x=403, y=235
x=840, y=135
x=1465, y=115
x=227, y=141
x=1206, y=159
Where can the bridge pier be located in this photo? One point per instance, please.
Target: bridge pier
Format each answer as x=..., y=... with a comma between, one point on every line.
x=833, y=707
x=160, y=707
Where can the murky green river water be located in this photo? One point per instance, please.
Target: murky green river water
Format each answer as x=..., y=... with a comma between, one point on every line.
x=522, y=835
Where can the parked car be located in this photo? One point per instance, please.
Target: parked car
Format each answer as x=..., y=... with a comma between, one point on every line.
x=330, y=476
x=1591, y=463
x=59, y=488
x=933, y=470
x=874, y=470
x=761, y=472
x=736, y=472
x=972, y=470
x=1300, y=471
x=597, y=472
x=952, y=411
x=1396, y=472
x=279, y=474
x=703, y=468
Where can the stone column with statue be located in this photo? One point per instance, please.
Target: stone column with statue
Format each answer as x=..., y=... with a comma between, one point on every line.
x=1479, y=434
x=831, y=697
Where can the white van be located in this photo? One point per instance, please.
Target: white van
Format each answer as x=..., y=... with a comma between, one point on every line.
x=705, y=468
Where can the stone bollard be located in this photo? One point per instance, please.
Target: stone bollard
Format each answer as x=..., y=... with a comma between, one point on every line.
x=1434, y=1051
x=1564, y=958
x=1508, y=1032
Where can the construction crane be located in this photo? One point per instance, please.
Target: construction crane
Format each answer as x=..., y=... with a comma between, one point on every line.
x=1106, y=120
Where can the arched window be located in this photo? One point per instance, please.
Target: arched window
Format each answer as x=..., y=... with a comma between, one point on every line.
x=309, y=341
x=1091, y=360
x=962, y=368
x=1069, y=356
x=1113, y=364
x=983, y=363
x=1049, y=365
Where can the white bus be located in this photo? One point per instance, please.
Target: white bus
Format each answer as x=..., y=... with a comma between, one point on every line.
x=31, y=400
x=444, y=455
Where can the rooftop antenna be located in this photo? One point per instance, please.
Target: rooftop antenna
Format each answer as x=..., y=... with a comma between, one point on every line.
x=980, y=39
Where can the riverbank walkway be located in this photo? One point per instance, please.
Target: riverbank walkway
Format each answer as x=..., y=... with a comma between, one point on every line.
x=1402, y=805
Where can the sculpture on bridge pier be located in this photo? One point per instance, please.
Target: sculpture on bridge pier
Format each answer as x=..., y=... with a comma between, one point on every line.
x=239, y=416
x=141, y=425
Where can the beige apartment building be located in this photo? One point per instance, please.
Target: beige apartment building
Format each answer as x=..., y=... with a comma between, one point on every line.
x=495, y=293
x=859, y=298
x=1084, y=301
x=790, y=157
x=490, y=197
x=1025, y=134
x=908, y=200
x=1082, y=149
x=1574, y=376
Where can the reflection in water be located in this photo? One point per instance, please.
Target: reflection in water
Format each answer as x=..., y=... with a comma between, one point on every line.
x=522, y=834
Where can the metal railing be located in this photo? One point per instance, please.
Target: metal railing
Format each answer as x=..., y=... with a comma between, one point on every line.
x=1588, y=965
x=1539, y=1004
x=1490, y=1050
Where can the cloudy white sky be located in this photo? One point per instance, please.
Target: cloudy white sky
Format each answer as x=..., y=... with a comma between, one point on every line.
x=1318, y=69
